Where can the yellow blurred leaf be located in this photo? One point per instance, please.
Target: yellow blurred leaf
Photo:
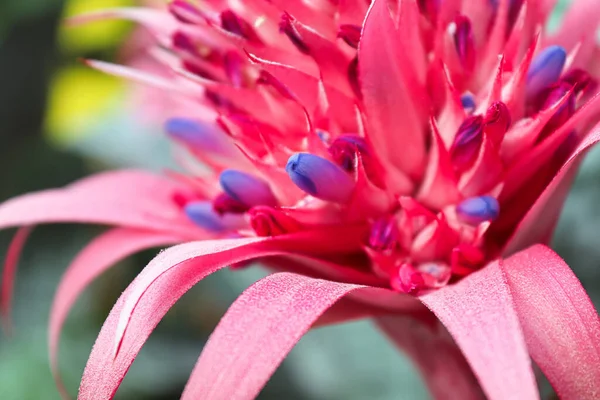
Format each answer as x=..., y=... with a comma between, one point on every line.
x=79, y=96
x=94, y=36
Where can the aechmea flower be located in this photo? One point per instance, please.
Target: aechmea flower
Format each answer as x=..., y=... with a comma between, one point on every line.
x=393, y=159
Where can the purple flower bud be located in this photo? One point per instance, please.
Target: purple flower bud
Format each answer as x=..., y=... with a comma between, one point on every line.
x=463, y=41
x=286, y=26
x=199, y=135
x=468, y=102
x=545, y=69
x=350, y=34
x=246, y=188
x=185, y=12
x=344, y=148
x=384, y=234
x=467, y=142
x=320, y=177
x=202, y=214
x=564, y=112
x=183, y=42
x=232, y=23
x=476, y=210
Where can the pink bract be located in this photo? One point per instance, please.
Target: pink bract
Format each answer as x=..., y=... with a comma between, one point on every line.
x=395, y=159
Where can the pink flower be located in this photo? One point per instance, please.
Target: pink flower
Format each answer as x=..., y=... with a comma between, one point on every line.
x=405, y=162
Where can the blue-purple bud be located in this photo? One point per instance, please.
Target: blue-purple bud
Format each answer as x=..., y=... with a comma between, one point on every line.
x=476, y=210
x=320, y=177
x=384, y=234
x=545, y=69
x=467, y=142
x=202, y=214
x=246, y=188
x=464, y=42
x=200, y=135
x=468, y=102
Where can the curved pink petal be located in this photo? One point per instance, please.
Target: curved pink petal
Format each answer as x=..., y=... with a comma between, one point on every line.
x=443, y=367
x=561, y=326
x=257, y=332
x=172, y=273
x=479, y=313
x=386, y=88
x=440, y=186
x=8, y=275
x=99, y=255
x=539, y=222
x=145, y=78
x=123, y=198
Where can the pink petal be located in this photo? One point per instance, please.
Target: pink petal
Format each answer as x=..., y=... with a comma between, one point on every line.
x=123, y=198
x=560, y=324
x=390, y=104
x=478, y=312
x=439, y=187
x=331, y=60
x=99, y=255
x=8, y=275
x=440, y=362
x=257, y=332
x=536, y=225
x=172, y=273
x=145, y=78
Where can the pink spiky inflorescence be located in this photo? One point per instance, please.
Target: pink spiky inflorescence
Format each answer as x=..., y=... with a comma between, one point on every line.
x=432, y=125
x=386, y=158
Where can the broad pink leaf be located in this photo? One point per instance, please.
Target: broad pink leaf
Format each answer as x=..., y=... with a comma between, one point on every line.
x=478, y=312
x=8, y=275
x=122, y=198
x=561, y=326
x=258, y=331
x=442, y=365
x=172, y=273
x=99, y=255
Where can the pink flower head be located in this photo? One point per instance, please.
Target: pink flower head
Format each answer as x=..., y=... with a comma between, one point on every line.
x=384, y=160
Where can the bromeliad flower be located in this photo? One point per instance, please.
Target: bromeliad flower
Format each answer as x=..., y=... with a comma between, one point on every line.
x=403, y=160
